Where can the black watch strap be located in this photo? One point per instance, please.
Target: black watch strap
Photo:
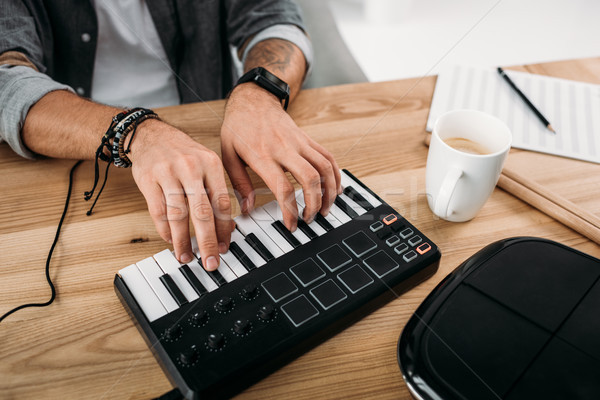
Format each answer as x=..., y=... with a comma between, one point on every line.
x=268, y=81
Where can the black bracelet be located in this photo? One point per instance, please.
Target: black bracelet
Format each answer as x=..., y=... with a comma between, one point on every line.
x=112, y=143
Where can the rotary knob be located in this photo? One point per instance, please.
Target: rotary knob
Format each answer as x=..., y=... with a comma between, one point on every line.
x=266, y=312
x=199, y=318
x=224, y=304
x=215, y=341
x=173, y=333
x=241, y=326
x=189, y=356
x=249, y=291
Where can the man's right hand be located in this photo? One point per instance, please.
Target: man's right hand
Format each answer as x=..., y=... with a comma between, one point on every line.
x=182, y=180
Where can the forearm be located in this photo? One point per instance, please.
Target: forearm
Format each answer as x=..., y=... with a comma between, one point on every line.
x=281, y=58
x=64, y=125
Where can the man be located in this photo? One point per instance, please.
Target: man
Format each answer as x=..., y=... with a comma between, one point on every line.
x=54, y=54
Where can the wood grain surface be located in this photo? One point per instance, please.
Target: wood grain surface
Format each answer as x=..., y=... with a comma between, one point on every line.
x=85, y=346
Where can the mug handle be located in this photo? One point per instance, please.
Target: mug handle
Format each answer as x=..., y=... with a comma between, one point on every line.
x=446, y=191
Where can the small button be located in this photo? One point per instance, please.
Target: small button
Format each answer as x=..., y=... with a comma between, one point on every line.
x=401, y=248
x=411, y=255
x=415, y=240
x=381, y=264
x=392, y=241
x=359, y=244
x=424, y=248
x=80, y=91
x=376, y=226
x=406, y=233
x=355, y=279
x=86, y=37
x=390, y=219
x=384, y=233
x=299, y=310
x=328, y=294
x=396, y=226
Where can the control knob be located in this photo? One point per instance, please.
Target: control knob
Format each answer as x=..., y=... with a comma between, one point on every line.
x=215, y=341
x=266, y=312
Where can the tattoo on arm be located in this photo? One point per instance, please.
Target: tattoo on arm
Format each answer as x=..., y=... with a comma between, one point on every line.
x=281, y=58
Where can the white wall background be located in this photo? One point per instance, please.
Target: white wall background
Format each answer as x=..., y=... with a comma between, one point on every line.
x=395, y=39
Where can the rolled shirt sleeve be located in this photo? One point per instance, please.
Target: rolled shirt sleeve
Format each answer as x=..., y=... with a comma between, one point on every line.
x=291, y=33
x=20, y=88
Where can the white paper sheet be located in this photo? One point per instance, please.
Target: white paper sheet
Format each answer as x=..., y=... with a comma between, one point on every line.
x=572, y=108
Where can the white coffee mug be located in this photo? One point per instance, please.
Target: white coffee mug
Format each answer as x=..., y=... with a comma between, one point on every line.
x=460, y=179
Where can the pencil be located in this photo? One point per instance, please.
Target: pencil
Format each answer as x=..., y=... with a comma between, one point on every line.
x=526, y=100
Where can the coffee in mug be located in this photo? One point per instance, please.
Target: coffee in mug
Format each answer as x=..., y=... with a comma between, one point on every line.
x=466, y=145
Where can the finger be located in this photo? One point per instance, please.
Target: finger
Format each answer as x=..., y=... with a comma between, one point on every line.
x=336, y=169
x=240, y=180
x=278, y=182
x=177, y=217
x=328, y=182
x=202, y=217
x=158, y=210
x=221, y=205
x=310, y=180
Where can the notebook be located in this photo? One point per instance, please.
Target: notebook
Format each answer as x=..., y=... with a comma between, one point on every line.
x=573, y=108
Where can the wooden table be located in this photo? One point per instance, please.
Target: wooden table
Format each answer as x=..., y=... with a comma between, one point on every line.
x=86, y=346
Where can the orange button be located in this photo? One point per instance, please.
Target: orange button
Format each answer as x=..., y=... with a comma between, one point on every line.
x=390, y=219
x=424, y=248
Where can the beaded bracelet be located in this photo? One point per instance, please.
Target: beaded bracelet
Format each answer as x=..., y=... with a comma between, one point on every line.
x=122, y=124
x=122, y=129
x=120, y=153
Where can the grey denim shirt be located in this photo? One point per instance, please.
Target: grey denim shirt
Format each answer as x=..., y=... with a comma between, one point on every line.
x=59, y=38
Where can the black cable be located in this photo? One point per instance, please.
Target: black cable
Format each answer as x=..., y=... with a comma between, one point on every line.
x=62, y=218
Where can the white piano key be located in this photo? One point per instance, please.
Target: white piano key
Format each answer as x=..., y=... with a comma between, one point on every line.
x=223, y=268
x=233, y=263
x=274, y=212
x=247, y=225
x=357, y=209
x=265, y=221
x=206, y=281
x=237, y=237
x=339, y=214
x=168, y=263
x=142, y=292
x=152, y=273
x=348, y=181
x=329, y=217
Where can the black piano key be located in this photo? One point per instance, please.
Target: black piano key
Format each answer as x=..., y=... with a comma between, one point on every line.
x=236, y=250
x=358, y=198
x=321, y=220
x=215, y=275
x=260, y=248
x=345, y=207
x=173, y=289
x=303, y=226
x=278, y=225
x=193, y=280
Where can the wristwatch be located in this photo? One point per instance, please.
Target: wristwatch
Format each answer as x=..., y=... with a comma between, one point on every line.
x=268, y=81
